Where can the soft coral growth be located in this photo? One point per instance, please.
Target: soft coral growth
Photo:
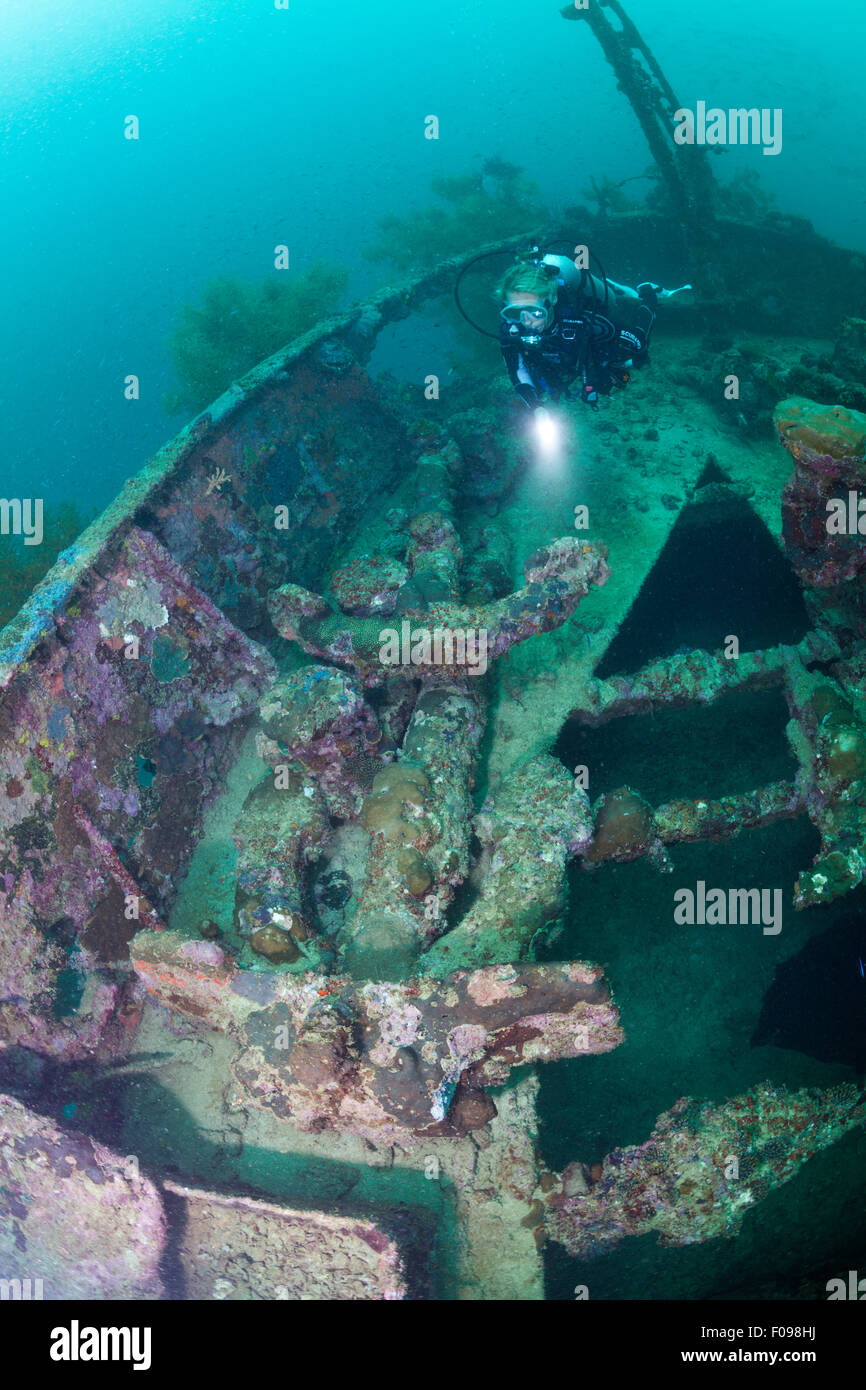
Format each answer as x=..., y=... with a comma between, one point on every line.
x=240, y=323
x=22, y=566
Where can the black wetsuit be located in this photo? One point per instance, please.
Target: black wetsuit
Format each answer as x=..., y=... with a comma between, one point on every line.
x=587, y=338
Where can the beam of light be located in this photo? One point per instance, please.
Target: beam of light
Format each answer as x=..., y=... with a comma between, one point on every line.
x=547, y=436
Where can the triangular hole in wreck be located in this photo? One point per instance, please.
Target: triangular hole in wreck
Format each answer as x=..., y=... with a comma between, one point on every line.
x=719, y=572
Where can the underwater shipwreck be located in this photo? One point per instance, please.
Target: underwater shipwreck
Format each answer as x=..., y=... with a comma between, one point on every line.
x=284, y=914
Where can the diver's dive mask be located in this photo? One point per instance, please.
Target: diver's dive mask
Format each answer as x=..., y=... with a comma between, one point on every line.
x=529, y=318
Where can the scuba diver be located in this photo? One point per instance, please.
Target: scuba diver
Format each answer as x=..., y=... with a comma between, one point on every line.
x=560, y=323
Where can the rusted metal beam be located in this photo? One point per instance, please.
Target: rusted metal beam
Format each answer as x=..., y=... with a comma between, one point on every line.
x=685, y=168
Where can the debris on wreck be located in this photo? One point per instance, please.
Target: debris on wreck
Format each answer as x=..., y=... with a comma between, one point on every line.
x=389, y=1061
x=702, y=1169
x=77, y=1211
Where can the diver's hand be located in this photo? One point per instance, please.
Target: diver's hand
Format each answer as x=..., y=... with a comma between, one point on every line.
x=528, y=396
x=651, y=294
x=669, y=294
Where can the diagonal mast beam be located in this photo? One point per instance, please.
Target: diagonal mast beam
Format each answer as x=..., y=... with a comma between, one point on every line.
x=685, y=168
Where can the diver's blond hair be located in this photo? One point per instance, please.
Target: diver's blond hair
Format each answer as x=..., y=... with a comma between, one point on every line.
x=526, y=279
